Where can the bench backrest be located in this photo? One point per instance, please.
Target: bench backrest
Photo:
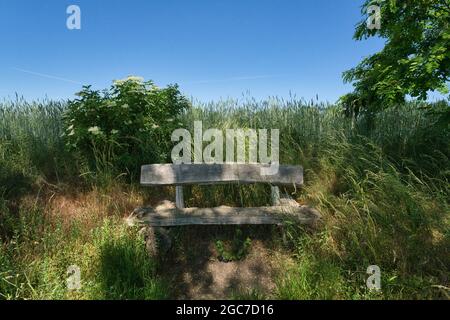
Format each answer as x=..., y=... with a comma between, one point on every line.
x=188, y=174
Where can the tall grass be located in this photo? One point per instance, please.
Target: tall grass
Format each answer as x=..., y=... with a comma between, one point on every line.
x=30, y=144
x=383, y=193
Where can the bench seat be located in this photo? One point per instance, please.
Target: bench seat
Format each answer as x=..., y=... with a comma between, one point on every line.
x=223, y=215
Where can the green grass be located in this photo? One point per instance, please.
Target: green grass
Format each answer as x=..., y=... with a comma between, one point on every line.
x=383, y=194
x=112, y=259
x=374, y=215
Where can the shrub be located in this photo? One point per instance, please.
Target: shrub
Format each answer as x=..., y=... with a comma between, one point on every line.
x=237, y=250
x=124, y=126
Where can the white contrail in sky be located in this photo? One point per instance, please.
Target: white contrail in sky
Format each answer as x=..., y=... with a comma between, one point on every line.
x=49, y=76
x=242, y=78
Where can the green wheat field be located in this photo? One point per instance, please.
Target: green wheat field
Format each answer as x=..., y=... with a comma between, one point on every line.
x=381, y=185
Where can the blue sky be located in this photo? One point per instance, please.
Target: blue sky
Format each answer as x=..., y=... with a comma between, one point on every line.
x=212, y=48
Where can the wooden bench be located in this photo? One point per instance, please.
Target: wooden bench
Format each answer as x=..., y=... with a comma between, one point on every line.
x=282, y=209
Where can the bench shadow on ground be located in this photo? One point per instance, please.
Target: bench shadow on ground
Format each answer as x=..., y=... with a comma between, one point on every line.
x=194, y=267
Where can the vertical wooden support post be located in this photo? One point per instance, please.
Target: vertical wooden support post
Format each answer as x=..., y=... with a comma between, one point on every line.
x=179, y=197
x=275, y=193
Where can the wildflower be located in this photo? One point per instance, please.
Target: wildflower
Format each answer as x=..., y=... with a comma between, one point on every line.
x=134, y=78
x=94, y=130
x=130, y=78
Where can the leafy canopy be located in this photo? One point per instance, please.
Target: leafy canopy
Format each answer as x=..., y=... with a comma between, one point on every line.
x=414, y=60
x=129, y=124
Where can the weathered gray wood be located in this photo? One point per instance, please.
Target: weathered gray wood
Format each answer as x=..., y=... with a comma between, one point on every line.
x=275, y=194
x=157, y=240
x=287, y=202
x=179, y=197
x=227, y=216
x=188, y=174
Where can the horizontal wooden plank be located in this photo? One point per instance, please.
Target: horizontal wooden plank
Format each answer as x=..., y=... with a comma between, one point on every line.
x=225, y=216
x=188, y=174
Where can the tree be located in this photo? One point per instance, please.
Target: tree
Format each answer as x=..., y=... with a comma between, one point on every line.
x=414, y=61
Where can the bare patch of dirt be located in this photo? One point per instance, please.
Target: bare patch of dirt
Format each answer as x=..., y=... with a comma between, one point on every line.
x=193, y=267
x=213, y=279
